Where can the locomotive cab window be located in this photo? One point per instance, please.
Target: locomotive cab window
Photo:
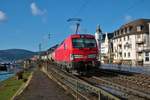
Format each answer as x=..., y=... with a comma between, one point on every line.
x=84, y=43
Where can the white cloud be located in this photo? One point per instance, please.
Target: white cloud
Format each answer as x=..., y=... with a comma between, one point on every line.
x=2, y=16
x=128, y=18
x=36, y=10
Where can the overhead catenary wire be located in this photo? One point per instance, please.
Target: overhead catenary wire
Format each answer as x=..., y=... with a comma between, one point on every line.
x=82, y=7
x=45, y=41
x=77, y=13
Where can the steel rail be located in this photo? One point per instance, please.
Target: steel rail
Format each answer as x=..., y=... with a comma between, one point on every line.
x=139, y=82
x=81, y=86
x=129, y=90
x=136, y=82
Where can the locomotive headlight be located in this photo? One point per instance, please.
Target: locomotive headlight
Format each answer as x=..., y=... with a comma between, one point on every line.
x=71, y=57
x=92, y=56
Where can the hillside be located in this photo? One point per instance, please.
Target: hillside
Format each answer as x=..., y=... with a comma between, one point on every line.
x=15, y=54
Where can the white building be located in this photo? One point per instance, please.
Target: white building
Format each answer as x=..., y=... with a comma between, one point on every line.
x=129, y=42
x=105, y=44
x=147, y=50
x=98, y=39
x=105, y=47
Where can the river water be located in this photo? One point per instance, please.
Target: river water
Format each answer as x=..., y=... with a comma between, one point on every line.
x=7, y=74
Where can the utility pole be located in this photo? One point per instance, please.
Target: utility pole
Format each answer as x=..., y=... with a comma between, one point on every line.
x=40, y=48
x=49, y=36
x=39, y=61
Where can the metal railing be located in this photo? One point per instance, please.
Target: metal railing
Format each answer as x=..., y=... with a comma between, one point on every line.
x=137, y=69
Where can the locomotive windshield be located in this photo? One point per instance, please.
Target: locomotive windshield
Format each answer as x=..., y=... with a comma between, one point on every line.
x=84, y=43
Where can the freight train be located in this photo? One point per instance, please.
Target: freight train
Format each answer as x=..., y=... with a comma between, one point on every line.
x=78, y=53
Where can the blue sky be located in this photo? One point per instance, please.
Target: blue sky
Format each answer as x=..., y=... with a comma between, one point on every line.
x=26, y=23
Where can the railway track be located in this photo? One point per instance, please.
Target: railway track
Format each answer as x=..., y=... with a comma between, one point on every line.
x=105, y=84
x=78, y=87
x=135, y=81
x=122, y=84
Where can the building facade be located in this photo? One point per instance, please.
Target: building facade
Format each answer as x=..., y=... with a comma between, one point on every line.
x=98, y=40
x=130, y=41
x=147, y=51
x=106, y=48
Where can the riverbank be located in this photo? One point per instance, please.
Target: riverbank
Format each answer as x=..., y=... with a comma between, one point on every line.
x=11, y=71
x=10, y=86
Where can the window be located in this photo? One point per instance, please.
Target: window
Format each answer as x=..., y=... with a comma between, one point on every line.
x=140, y=28
x=146, y=56
x=120, y=54
x=124, y=54
x=128, y=54
x=124, y=38
x=128, y=30
x=146, y=53
x=122, y=31
x=138, y=36
x=84, y=43
x=128, y=37
x=124, y=46
x=146, y=59
x=145, y=38
x=125, y=30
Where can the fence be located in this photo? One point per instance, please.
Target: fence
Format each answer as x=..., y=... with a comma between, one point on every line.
x=136, y=69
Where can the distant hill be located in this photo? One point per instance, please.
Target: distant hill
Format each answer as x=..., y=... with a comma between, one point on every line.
x=15, y=54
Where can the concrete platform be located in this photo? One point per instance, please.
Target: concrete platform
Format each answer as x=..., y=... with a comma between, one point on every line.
x=43, y=88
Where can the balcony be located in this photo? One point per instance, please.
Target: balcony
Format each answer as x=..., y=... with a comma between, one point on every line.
x=139, y=58
x=119, y=44
x=147, y=48
x=120, y=50
x=140, y=40
x=139, y=49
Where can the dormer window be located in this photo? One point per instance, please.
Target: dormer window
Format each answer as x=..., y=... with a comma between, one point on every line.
x=125, y=30
x=139, y=28
x=128, y=29
x=122, y=31
x=117, y=33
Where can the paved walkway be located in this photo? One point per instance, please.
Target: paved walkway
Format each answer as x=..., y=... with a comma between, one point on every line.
x=42, y=88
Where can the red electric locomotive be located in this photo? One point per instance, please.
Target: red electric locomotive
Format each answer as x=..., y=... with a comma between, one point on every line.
x=77, y=53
